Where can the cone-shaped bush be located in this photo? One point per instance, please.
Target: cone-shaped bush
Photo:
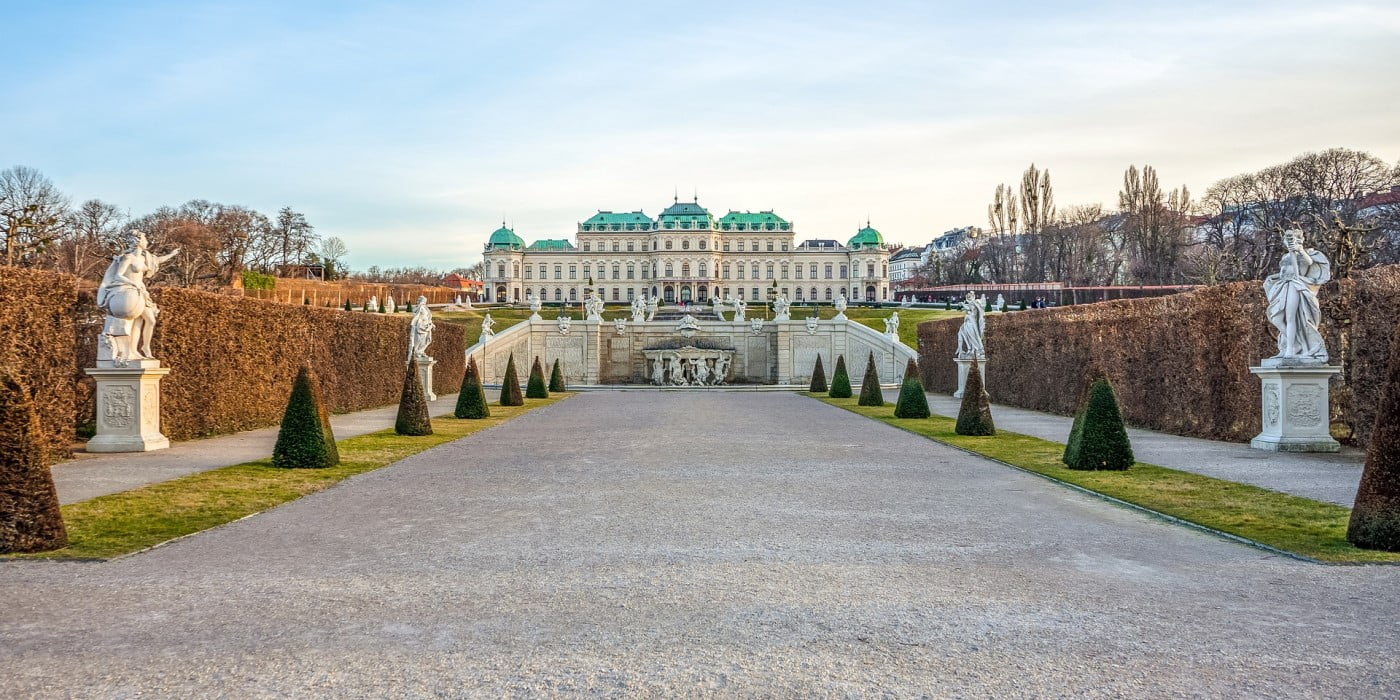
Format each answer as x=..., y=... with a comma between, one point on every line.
x=471, y=399
x=1375, y=517
x=413, y=406
x=818, y=378
x=870, y=385
x=510, y=386
x=536, y=389
x=305, y=440
x=840, y=381
x=975, y=414
x=1102, y=440
x=29, y=517
x=912, y=402
x=1076, y=432
x=556, y=379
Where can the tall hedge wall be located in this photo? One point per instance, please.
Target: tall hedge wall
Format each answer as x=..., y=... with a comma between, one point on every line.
x=1179, y=363
x=36, y=346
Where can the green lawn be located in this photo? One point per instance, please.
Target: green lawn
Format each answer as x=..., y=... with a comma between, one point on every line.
x=909, y=319
x=1290, y=523
x=121, y=523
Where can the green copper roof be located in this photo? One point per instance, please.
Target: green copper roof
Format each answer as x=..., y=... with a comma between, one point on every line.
x=866, y=237
x=685, y=215
x=622, y=221
x=551, y=244
x=753, y=221
x=504, y=238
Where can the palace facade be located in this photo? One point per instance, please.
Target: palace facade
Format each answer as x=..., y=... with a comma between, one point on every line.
x=685, y=254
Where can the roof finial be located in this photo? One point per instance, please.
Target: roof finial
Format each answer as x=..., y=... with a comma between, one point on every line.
x=695, y=194
x=676, y=197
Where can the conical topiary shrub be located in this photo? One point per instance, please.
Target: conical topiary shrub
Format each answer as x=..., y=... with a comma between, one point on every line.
x=510, y=386
x=1102, y=440
x=1375, y=517
x=556, y=379
x=305, y=440
x=818, y=378
x=840, y=381
x=535, y=389
x=29, y=517
x=1075, y=432
x=975, y=414
x=413, y=406
x=912, y=402
x=870, y=394
x=471, y=398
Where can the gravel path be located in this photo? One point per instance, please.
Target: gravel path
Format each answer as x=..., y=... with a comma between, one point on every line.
x=693, y=544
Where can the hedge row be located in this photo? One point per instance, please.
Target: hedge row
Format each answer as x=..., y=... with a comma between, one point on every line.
x=1179, y=363
x=37, y=335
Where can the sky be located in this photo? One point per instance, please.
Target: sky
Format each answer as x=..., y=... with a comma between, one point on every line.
x=412, y=129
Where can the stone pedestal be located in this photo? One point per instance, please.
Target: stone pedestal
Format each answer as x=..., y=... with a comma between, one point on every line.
x=1296, y=417
x=128, y=407
x=964, y=363
x=425, y=376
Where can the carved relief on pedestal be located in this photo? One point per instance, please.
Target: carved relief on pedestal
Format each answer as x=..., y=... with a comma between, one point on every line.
x=1304, y=406
x=1271, y=405
x=119, y=407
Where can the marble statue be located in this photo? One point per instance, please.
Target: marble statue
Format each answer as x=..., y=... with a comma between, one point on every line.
x=718, y=306
x=780, y=308
x=620, y=325
x=389, y=304
x=374, y=303
x=564, y=323
x=702, y=372
x=688, y=326
x=487, y=326
x=811, y=325
x=658, y=371
x=593, y=307
x=535, y=303
x=1000, y=305
x=722, y=368
x=457, y=301
x=420, y=330
x=973, y=328
x=841, y=306
x=651, y=309
x=122, y=296
x=639, y=309
x=741, y=309
x=467, y=302
x=677, y=370
x=907, y=302
x=1293, y=306
x=892, y=325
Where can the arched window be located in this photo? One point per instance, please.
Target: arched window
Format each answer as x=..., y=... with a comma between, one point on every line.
x=573, y=293
x=704, y=269
x=670, y=271
x=685, y=269
x=558, y=294
x=814, y=294
x=828, y=293
x=528, y=292
x=799, y=294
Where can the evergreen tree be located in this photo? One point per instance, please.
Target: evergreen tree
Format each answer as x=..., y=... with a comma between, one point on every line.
x=413, y=406
x=305, y=440
x=912, y=401
x=347, y=304
x=975, y=414
x=1375, y=517
x=870, y=394
x=1102, y=442
x=840, y=381
x=471, y=399
x=30, y=520
x=1076, y=432
x=818, y=378
x=510, y=386
x=556, y=379
x=535, y=389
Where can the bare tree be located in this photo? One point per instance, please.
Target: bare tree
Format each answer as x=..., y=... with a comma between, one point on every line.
x=998, y=251
x=1155, y=225
x=294, y=235
x=91, y=235
x=332, y=251
x=32, y=212
x=1037, y=212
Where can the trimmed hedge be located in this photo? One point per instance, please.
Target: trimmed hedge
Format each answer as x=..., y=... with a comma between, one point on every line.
x=975, y=413
x=305, y=440
x=413, y=418
x=840, y=381
x=30, y=520
x=912, y=401
x=471, y=398
x=38, y=349
x=818, y=378
x=510, y=386
x=535, y=388
x=1099, y=441
x=870, y=394
x=556, y=379
x=1375, y=517
x=1179, y=363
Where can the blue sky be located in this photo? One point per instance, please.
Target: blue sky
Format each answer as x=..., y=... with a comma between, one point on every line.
x=410, y=129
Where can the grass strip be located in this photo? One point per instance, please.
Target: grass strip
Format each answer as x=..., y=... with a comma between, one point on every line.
x=121, y=523
x=1283, y=521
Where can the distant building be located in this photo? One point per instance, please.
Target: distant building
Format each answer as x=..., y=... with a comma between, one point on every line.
x=455, y=281
x=685, y=255
x=905, y=262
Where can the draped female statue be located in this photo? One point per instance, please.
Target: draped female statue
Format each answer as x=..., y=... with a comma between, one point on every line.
x=973, y=327
x=420, y=330
x=122, y=295
x=1292, y=295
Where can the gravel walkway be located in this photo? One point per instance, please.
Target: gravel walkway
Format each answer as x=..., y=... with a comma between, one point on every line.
x=695, y=544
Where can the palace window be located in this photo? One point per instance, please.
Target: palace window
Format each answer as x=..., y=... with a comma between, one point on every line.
x=685, y=244
x=616, y=293
x=770, y=246
x=670, y=271
x=870, y=269
x=814, y=293
x=726, y=246
x=813, y=270
x=615, y=246
x=798, y=269
x=828, y=293
x=843, y=270
x=558, y=272
x=741, y=246
x=668, y=245
x=741, y=292
x=501, y=270
x=573, y=293
x=630, y=246
x=725, y=273
x=741, y=270
x=544, y=273
x=587, y=247
x=685, y=269
x=769, y=269
x=528, y=270
x=784, y=266
x=704, y=270
x=785, y=247
x=703, y=244
x=588, y=270
x=754, y=269
x=799, y=294
x=558, y=294
x=828, y=273
x=631, y=293
x=515, y=267
x=573, y=272
x=884, y=269
x=756, y=297
x=617, y=271
x=631, y=271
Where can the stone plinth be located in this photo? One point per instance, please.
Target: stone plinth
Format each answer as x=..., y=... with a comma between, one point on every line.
x=964, y=363
x=1296, y=416
x=128, y=408
x=425, y=376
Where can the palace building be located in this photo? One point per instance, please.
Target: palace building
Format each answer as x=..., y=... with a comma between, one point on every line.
x=686, y=255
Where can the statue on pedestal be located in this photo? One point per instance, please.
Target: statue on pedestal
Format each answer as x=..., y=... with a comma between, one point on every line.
x=1293, y=306
x=639, y=309
x=780, y=308
x=420, y=330
x=593, y=307
x=373, y=305
x=892, y=325
x=740, y=308
x=389, y=304
x=973, y=328
x=651, y=309
x=718, y=306
x=131, y=315
x=487, y=326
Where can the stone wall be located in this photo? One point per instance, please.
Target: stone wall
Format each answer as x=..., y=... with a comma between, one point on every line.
x=1179, y=363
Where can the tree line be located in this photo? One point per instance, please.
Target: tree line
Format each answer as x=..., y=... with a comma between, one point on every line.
x=1346, y=202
